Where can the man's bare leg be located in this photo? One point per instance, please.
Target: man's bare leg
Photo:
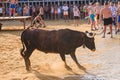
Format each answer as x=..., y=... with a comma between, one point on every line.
x=104, y=32
x=111, y=31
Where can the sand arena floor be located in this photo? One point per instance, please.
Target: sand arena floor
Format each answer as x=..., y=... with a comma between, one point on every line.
x=104, y=64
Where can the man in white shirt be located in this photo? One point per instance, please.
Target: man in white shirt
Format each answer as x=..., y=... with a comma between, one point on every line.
x=65, y=11
x=113, y=8
x=76, y=14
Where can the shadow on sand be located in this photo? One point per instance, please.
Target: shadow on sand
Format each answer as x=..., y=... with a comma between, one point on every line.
x=49, y=77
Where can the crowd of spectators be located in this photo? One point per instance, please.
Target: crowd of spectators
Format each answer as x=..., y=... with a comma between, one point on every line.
x=48, y=11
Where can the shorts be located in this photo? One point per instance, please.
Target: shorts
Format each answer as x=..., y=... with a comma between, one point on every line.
x=119, y=18
x=76, y=17
x=65, y=13
x=92, y=17
x=55, y=12
x=107, y=21
x=12, y=5
x=97, y=16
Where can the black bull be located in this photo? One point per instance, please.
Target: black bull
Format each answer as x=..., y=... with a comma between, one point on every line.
x=63, y=41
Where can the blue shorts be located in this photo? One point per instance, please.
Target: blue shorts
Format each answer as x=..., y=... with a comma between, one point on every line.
x=119, y=18
x=12, y=5
x=92, y=17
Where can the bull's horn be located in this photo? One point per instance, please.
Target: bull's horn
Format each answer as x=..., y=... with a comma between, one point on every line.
x=90, y=35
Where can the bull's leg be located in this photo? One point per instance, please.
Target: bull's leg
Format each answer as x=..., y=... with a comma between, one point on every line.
x=63, y=58
x=27, y=54
x=75, y=59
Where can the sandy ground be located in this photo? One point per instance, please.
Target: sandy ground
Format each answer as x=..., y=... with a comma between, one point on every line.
x=104, y=64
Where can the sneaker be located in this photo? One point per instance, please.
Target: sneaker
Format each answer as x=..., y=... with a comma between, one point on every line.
x=108, y=33
x=92, y=30
x=103, y=36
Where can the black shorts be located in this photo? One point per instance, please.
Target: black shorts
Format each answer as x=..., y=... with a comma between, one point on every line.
x=76, y=17
x=107, y=21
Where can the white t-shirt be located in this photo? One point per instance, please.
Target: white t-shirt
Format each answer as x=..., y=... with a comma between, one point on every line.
x=65, y=8
x=76, y=11
x=114, y=10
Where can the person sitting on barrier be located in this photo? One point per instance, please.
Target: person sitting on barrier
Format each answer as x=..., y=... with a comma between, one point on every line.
x=38, y=19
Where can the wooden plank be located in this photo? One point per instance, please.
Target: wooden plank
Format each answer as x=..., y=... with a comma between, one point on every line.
x=21, y=18
x=15, y=18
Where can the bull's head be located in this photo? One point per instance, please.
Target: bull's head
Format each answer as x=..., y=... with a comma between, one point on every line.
x=89, y=41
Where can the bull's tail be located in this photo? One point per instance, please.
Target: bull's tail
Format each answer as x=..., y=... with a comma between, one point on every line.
x=23, y=45
x=23, y=49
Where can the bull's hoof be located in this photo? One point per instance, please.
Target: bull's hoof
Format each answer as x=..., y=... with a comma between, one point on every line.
x=28, y=69
x=84, y=69
x=68, y=68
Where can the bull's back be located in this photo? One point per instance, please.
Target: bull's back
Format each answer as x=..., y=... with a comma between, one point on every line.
x=53, y=41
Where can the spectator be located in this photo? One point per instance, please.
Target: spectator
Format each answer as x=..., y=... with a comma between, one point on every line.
x=25, y=10
x=12, y=7
x=1, y=10
x=41, y=12
x=19, y=10
x=56, y=12
x=34, y=12
x=113, y=9
x=46, y=12
x=52, y=12
x=65, y=12
x=71, y=11
x=59, y=12
x=92, y=16
x=76, y=13
x=97, y=13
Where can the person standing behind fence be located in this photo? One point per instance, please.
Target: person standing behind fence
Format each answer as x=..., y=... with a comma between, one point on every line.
x=65, y=12
x=25, y=10
x=52, y=12
x=34, y=14
x=71, y=11
x=41, y=12
x=76, y=14
x=56, y=12
x=12, y=6
x=19, y=10
x=59, y=12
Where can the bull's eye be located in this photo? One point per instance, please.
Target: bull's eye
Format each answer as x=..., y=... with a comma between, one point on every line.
x=91, y=34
